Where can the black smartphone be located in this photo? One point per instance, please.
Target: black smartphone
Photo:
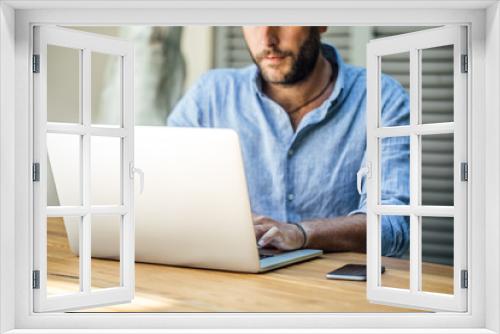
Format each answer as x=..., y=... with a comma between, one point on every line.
x=351, y=272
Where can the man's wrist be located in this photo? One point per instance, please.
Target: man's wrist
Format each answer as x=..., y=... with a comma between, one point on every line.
x=304, y=234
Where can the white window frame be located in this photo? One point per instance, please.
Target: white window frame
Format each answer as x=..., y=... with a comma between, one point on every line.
x=16, y=128
x=86, y=44
x=414, y=44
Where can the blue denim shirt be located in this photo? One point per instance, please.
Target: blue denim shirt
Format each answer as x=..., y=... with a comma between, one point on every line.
x=309, y=173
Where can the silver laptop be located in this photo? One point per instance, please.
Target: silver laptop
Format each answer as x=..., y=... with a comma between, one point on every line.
x=194, y=211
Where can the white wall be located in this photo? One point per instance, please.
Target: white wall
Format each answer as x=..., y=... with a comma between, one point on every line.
x=197, y=45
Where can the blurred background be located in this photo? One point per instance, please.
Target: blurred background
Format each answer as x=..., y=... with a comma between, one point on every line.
x=168, y=60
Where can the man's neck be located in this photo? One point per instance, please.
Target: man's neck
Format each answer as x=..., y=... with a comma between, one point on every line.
x=293, y=96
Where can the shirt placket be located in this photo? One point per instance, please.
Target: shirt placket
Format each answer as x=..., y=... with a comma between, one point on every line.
x=290, y=195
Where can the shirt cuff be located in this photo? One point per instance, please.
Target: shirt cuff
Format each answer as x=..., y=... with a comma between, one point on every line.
x=357, y=211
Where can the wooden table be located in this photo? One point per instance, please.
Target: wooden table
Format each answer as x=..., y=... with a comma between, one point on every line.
x=297, y=288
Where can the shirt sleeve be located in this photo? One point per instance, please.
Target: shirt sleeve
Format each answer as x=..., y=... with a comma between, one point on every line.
x=395, y=169
x=187, y=112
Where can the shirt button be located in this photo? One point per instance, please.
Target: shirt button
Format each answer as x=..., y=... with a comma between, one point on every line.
x=290, y=152
x=291, y=197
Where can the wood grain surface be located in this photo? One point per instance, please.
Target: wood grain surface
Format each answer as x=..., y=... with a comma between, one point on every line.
x=297, y=288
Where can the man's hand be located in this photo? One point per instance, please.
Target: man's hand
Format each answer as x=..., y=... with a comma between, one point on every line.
x=271, y=233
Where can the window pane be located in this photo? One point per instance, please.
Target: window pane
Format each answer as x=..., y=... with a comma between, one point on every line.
x=437, y=169
x=63, y=169
x=397, y=269
x=63, y=84
x=394, y=170
x=106, y=90
x=63, y=262
x=437, y=254
x=106, y=170
x=396, y=66
x=106, y=256
x=437, y=84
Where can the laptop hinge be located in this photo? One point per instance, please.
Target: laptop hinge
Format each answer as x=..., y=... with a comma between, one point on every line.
x=36, y=279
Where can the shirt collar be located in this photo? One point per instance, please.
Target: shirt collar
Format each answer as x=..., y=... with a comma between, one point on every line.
x=331, y=53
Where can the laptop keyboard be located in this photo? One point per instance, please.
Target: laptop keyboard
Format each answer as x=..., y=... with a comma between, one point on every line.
x=266, y=252
x=263, y=256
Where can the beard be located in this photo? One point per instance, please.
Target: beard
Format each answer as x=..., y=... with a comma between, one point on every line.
x=302, y=64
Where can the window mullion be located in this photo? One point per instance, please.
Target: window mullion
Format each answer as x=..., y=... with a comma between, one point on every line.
x=418, y=129
x=78, y=129
x=415, y=238
x=85, y=236
x=419, y=210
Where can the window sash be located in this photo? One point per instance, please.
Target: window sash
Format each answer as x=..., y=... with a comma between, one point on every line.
x=413, y=43
x=86, y=43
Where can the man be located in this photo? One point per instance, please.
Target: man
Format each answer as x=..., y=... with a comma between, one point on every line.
x=300, y=114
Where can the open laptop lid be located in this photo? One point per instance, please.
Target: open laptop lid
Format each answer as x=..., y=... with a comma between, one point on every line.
x=194, y=210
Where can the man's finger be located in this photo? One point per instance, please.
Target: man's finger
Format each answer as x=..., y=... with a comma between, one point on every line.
x=256, y=217
x=259, y=220
x=268, y=237
x=260, y=230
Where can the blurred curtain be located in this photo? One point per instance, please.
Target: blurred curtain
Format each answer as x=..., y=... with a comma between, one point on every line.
x=160, y=74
